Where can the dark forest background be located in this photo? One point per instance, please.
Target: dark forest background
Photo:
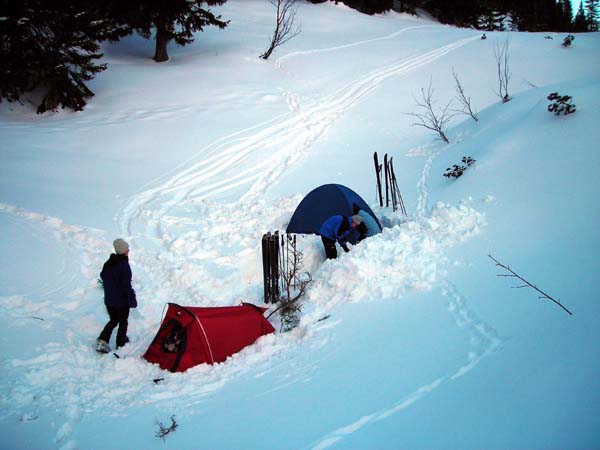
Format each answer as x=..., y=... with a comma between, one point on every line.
x=50, y=49
x=490, y=15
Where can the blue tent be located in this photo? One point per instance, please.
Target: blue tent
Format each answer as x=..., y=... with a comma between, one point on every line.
x=323, y=202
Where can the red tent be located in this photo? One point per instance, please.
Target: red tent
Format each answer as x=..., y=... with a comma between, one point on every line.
x=190, y=335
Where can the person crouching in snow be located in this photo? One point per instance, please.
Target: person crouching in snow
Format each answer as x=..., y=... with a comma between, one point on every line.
x=337, y=228
x=119, y=296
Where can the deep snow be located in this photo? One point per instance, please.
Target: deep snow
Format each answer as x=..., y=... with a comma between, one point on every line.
x=193, y=160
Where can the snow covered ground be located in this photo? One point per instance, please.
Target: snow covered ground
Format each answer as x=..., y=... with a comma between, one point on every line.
x=191, y=161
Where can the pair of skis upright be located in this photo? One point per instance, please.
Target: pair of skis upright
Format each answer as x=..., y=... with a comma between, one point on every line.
x=270, y=257
x=280, y=265
x=391, y=184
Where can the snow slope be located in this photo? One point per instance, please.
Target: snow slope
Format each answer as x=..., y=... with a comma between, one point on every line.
x=408, y=341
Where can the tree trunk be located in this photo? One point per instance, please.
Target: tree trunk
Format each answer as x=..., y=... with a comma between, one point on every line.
x=266, y=54
x=162, y=39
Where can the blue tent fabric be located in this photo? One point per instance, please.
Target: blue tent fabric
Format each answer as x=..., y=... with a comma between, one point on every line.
x=323, y=202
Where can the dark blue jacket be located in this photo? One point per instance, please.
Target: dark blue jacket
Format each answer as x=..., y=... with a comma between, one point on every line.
x=336, y=228
x=116, y=279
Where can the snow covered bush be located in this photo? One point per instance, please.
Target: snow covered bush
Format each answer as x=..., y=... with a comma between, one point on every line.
x=561, y=104
x=568, y=40
x=289, y=313
x=456, y=171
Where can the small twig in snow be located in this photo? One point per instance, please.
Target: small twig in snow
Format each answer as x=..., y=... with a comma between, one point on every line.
x=529, y=83
x=163, y=431
x=28, y=419
x=513, y=274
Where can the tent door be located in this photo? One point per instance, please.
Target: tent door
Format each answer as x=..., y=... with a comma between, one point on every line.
x=175, y=340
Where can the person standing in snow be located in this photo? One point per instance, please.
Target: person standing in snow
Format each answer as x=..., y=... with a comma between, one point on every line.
x=119, y=296
x=337, y=228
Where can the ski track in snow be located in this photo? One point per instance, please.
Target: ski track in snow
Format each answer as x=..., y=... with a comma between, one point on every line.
x=71, y=238
x=484, y=341
x=279, y=63
x=258, y=156
x=195, y=257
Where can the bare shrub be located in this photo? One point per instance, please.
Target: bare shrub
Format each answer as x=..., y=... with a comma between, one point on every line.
x=284, y=25
x=434, y=119
x=503, y=69
x=294, y=284
x=463, y=99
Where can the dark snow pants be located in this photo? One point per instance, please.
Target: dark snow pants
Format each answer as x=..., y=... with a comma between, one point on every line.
x=330, y=249
x=118, y=316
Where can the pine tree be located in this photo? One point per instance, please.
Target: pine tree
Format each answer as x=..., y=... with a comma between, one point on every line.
x=591, y=10
x=580, y=24
x=51, y=47
x=530, y=15
x=369, y=6
x=407, y=6
x=536, y=15
x=491, y=20
x=464, y=13
x=566, y=13
x=172, y=20
x=554, y=15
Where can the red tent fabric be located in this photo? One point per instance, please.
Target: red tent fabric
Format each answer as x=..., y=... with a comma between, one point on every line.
x=190, y=335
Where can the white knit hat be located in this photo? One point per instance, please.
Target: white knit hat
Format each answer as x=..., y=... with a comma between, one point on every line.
x=357, y=219
x=120, y=246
